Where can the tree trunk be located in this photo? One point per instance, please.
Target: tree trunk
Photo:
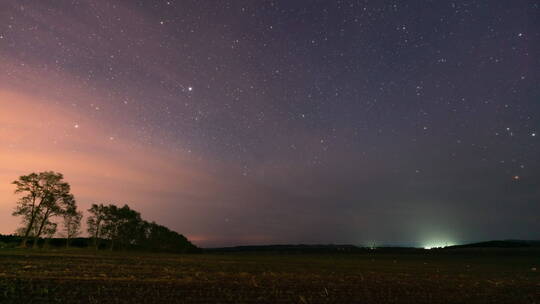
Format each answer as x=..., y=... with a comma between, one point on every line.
x=36, y=237
x=27, y=232
x=34, y=212
x=96, y=237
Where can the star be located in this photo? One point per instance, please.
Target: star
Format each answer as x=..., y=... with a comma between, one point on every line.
x=368, y=113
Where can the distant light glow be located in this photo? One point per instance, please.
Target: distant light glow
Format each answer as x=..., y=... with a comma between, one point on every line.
x=438, y=244
x=192, y=114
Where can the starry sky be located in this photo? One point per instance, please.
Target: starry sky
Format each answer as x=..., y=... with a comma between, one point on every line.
x=264, y=122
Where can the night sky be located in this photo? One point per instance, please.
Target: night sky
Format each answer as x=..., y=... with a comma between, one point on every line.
x=263, y=122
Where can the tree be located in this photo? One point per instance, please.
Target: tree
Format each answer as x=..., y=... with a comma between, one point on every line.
x=48, y=230
x=72, y=224
x=33, y=232
x=46, y=195
x=58, y=203
x=124, y=228
x=161, y=238
x=121, y=226
x=95, y=222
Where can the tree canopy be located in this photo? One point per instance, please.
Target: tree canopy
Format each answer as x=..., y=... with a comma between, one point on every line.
x=124, y=228
x=45, y=195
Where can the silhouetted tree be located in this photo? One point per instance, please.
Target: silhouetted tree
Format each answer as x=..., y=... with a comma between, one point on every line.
x=124, y=228
x=57, y=205
x=45, y=195
x=162, y=238
x=72, y=224
x=121, y=225
x=21, y=231
x=95, y=222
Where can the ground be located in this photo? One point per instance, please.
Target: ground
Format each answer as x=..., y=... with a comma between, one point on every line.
x=85, y=276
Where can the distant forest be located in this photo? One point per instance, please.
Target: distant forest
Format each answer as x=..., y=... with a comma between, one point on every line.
x=50, y=218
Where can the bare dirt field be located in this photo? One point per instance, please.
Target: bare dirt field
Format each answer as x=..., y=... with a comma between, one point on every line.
x=85, y=276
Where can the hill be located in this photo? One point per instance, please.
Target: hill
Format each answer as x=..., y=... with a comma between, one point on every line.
x=499, y=244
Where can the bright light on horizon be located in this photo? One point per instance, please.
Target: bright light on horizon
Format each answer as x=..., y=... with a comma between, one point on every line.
x=438, y=244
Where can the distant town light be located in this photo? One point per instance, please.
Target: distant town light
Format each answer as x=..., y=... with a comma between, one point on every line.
x=438, y=244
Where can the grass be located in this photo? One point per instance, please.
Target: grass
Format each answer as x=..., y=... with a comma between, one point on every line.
x=85, y=276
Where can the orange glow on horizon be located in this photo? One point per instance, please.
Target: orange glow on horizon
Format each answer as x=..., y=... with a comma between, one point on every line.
x=36, y=138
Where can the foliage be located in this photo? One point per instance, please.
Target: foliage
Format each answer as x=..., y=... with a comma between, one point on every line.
x=45, y=195
x=72, y=224
x=124, y=228
x=94, y=222
x=161, y=238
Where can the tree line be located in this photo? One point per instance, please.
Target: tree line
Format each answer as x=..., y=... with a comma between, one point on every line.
x=46, y=197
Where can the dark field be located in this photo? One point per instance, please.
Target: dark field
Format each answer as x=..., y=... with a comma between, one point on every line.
x=81, y=276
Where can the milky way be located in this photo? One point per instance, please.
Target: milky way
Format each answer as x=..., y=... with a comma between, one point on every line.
x=249, y=122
